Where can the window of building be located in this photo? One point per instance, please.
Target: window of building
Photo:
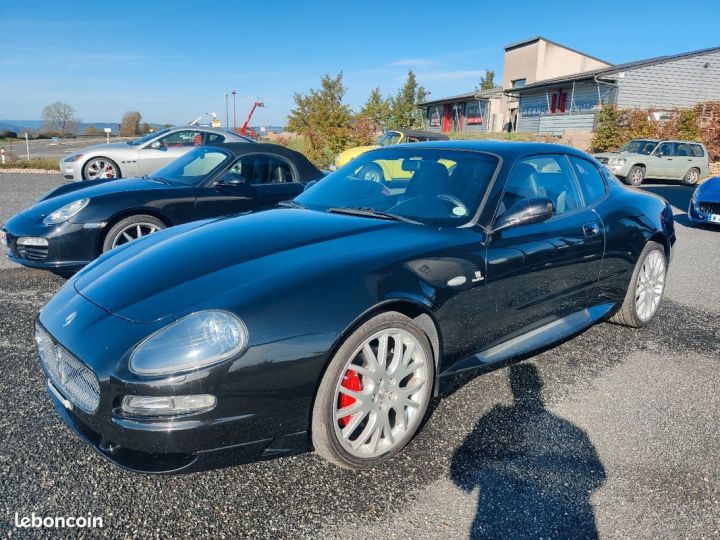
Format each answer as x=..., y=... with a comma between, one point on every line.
x=558, y=101
x=518, y=83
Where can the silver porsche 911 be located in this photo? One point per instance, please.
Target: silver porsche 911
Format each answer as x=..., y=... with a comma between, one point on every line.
x=141, y=156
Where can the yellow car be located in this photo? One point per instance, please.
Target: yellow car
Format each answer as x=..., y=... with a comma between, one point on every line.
x=382, y=169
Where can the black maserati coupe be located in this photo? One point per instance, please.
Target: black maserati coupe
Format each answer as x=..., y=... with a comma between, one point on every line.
x=329, y=324
x=73, y=224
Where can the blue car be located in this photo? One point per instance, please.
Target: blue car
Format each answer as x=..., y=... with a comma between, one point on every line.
x=705, y=202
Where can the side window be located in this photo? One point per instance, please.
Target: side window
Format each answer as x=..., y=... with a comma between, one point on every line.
x=260, y=169
x=183, y=138
x=592, y=184
x=681, y=149
x=542, y=176
x=697, y=150
x=666, y=149
x=214, y=138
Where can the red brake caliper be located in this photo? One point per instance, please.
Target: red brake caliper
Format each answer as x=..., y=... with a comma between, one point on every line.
x=351, y=381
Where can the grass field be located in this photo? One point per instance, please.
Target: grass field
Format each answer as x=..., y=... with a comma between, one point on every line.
x=47, y=164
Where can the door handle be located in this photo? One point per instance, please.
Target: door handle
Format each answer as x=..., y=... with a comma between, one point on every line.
x=591, y=229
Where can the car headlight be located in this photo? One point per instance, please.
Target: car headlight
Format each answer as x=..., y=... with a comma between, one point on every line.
x=72, y=157
x=617, y=161
x=66, y=212
x=198, y=340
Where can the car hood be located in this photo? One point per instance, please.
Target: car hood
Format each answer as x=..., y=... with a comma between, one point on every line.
x=614, y=154
x=169, y=272
x=709, y=190
x=68, y=193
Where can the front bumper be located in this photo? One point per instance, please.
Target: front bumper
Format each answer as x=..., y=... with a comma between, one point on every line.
x=70, y=245
x=264, y=397
x=71, y=170
x=703, y=212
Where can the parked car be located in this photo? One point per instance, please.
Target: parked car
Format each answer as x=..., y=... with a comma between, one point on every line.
x=331, y=323
x=661, y=159
x=705, y=203
x=73, y=224
x=389, y=138
x=141, y=156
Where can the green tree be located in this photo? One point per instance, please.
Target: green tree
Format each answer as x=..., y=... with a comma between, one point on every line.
x=377, y=110
x=687, y=125
x=609, y=132
x=488, y=80
x=323, y=120
x=130, y=124
x=146, y=128
x=404, y=110
x=58, y=118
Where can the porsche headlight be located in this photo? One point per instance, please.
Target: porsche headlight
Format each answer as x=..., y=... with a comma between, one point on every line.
x=617, y=161
x=198, y=340
x=66, y=212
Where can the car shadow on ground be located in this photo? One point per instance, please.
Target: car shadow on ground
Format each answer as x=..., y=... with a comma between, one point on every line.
x=535, y=472
x=676, y=194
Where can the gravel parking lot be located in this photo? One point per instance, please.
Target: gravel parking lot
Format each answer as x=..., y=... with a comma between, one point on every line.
x=612, y=434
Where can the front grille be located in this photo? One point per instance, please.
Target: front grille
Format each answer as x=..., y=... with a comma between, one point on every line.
x=709, y=208
x=603, y=160
x=68, y=374
x=32, y=253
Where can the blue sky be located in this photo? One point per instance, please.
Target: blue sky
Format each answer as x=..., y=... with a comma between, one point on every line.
x=173, y=61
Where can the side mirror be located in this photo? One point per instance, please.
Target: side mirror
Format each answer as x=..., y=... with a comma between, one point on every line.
x=658, y=154
x=233, y=179
x=157, y=145
x=310, y=184
x=526, y=212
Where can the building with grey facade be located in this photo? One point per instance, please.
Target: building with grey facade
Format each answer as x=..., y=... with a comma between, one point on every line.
x=549, y=88
x=555, y=105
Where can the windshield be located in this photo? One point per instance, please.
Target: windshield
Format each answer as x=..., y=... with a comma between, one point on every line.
x=388, y=138
x=194, y=167
x=149, y=136
x=430, y=186
x=639, y=147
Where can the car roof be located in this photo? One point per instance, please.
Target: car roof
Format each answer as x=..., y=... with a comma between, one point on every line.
x=504, y=148
x=305, y=168
x=665, y=140
x=420, y=133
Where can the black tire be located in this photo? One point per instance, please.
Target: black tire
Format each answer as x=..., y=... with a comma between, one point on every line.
x=635, y=176
x=372, y=172
x=136, y=220
x=627, y=314
x=691, y=177
x=86, y=172
x=324, y=439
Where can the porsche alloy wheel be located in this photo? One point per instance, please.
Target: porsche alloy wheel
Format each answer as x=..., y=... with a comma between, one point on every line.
x=374, y=394
x=131, y=228
x=100, y=168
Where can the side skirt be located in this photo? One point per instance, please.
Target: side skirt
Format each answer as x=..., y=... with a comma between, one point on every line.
x=547, y=334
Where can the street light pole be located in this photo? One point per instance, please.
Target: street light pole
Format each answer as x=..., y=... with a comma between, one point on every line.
x=234, y=112
x=227, y=121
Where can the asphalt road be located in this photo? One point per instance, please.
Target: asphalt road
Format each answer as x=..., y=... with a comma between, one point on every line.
x=612, y=434
x=46, y=148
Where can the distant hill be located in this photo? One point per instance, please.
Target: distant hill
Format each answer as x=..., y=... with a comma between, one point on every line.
x=35, y=125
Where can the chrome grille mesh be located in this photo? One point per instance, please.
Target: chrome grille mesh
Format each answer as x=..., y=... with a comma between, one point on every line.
x=709, y=208
x=73, y=378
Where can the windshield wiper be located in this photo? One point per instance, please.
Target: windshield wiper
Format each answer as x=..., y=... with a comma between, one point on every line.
x=371, y=213
x=292, y=204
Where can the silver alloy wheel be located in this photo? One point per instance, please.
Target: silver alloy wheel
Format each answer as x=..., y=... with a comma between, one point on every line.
x=392, y=371
x=692, y=176
x=650, y=286
x=134, y=231
x=100, y=168
x=637, y=176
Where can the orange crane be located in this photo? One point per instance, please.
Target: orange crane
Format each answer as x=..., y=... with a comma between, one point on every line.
x=244, y=128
